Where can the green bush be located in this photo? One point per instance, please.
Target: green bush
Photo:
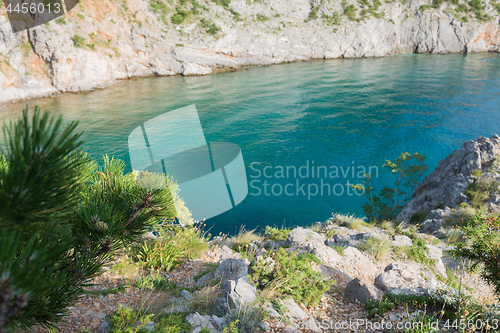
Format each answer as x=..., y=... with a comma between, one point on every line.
x=482, y=247
x=313, y=14
x=350, y=12
x=179, y=16
x=160, y=254
x=408, y=170
x=210, y=27
x=62, y=218
x=290, y=275
x=78, y=41
x=157, y=283
x=276, y=234
x=190, y=238
x=418, y=252
x=379, y=248
x=480, y=191
x=159, y=8
x=418, y=217
x=126, y=320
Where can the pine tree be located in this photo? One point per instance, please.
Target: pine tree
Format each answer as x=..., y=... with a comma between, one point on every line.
x=61, y=218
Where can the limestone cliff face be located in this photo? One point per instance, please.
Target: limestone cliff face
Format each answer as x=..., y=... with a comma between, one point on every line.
x=102, y=41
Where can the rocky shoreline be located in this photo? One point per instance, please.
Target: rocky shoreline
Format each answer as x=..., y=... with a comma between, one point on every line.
x=95, y=45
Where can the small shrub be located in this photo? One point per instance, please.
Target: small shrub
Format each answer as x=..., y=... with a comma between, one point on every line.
x=60, y=20
x=126, y=320
x=453, y=235
x=378, y=307
x=290, y=274
x=379, y=248
x=463, y=205
x=172, y=323
x=333, y=19
x=276, y=234
x=159, y=8
x=223, y=3
x=26, y=47
x=418, y=217
x=241, y=242
x=346, y=220
x=350, y=12
x=179, y=16
x=477, y=173
x=387, y=225
x=211, y=268
x=418, y=252
x=313, y=14
x=390, y=301
x=261, y=17
x=191, y=238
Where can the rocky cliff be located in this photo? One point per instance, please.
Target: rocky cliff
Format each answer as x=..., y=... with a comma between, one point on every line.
x=444, y=187
x=99, y=42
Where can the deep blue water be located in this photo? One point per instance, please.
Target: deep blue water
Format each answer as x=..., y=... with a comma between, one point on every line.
x=343, y=113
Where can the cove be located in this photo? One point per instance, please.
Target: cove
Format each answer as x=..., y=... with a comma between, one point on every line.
x=353, y=113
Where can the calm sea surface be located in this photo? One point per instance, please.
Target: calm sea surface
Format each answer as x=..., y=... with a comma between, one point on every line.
x=328, y=117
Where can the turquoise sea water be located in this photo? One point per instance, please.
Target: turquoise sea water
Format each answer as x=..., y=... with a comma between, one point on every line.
x=337, y=114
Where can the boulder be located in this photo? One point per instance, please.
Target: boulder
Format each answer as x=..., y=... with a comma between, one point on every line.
x=300, y=237
x=312, y=242
x=241, y=292
x=361, y=290
x=294, y=310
